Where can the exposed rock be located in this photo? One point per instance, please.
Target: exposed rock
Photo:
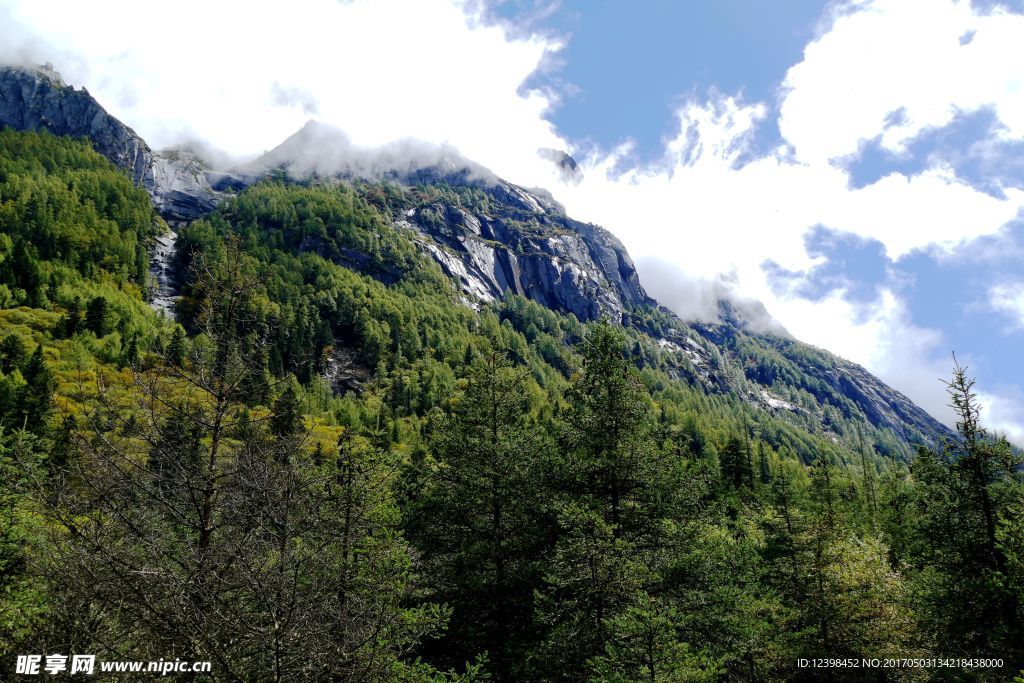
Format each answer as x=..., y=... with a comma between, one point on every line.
x=526, y=245
x=344, y=371
x=883, y=405
x=165, y=284
x=180, y=190
x=566, y=165
x=37, y=99
x=521, y=241
x=775, y=403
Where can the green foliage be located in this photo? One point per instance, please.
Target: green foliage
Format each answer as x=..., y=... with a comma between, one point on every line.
x=968, y=495
x=646, y=644
x=333, y=468
x=65, y=213
x=478, y=513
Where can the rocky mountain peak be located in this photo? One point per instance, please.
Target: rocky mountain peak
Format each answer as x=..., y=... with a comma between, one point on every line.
x=37, y=99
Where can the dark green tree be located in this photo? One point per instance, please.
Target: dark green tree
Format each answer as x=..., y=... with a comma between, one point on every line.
x=73, y=319
x=480, y=518
x=286, y=420
x=12, y=353
x=177, y=348
x=97, y=316
x=962, y=492
x=36, y=398
x=616, y=488
x=736, y=464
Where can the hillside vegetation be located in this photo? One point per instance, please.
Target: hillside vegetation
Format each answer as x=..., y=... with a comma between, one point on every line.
x=329, y=467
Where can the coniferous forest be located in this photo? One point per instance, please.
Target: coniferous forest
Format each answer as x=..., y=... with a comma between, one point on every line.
x=496, y=493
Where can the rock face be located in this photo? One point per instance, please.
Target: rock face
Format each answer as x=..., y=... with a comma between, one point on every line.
x=164, y=279
x=491, y=237
x=524, y=244
x=37, y=99
x=519, y=241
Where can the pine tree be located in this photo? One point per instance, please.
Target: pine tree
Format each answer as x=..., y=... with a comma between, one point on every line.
x=962, y=492
x=73, y=319
x=12, y=353
x=36, y=398
x=176, y=349
x=479, y=518
x=736, y=464
x=287, y=416
x=646, y=643
x=763, y=468
x=97, y=316
x=616, y=487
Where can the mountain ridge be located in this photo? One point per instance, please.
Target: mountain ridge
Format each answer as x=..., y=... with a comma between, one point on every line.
x=492, y=238
x=38, y=99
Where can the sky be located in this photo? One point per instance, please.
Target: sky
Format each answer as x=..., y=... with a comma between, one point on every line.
x=857, y=166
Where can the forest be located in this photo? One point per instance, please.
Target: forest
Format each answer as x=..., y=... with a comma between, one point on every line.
x=327, y=467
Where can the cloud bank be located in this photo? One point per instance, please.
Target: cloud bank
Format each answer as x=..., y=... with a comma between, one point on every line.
x=718, y=208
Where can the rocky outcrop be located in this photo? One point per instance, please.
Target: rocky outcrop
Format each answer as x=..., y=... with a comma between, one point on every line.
x=566, y=165
x=520, y=242
x=524, y=244
x=164, y=280
x=37, y=99
x=180, y=189
x=884, y=406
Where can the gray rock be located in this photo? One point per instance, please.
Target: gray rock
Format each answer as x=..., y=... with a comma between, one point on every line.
x=37, y=99
x=566, y=165
x=526, y=245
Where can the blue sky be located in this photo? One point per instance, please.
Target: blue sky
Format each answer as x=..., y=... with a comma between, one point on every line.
x=628, y=66
x=855, y=165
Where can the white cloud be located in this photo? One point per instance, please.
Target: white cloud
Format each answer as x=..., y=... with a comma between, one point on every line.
x=893, y=68
x=245, y=75
x=1003, y=414
x=1008, y=299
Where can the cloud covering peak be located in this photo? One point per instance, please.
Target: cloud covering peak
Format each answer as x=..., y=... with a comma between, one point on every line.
x=739, y=191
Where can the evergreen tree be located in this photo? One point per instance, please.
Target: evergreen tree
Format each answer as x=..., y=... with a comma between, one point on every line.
x=286, y=419
x=73, y=319
x=763, y=468
x=616, y=487
x=479, y=520
x=97, y=316
x=12, y=353
x=736, y=463
x=176, y=349
x=36, y=398
x=962, y=493
x=647, y=644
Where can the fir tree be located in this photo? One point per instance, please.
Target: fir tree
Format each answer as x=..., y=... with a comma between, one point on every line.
x=97, y=316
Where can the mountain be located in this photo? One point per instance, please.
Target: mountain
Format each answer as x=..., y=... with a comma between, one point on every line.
x=495, y=238
x=383, y=416
x=38, y=99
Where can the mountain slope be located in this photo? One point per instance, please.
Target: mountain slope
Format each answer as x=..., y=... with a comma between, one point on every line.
x=762, y=367
x=37, y=99
x=494, y=239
